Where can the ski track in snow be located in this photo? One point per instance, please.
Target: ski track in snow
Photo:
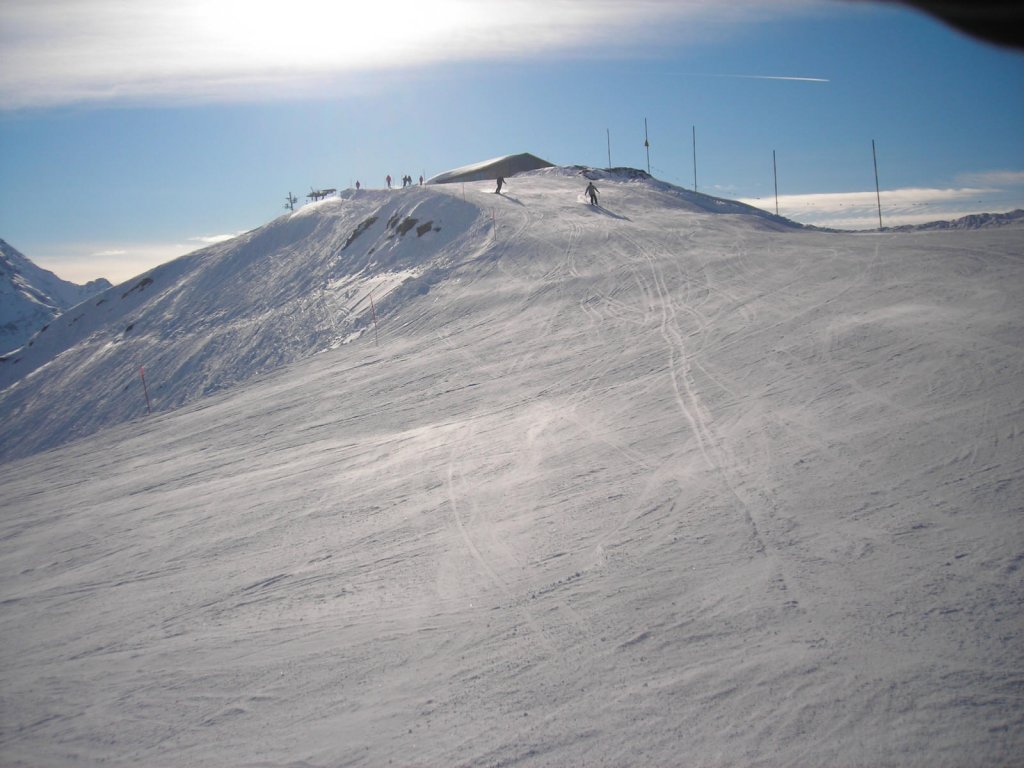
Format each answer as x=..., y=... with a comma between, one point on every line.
x=636, y=485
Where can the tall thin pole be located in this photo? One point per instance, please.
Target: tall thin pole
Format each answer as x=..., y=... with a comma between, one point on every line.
x=878, y=194
x=609, y=132
x=775, y=173
x=647, y=146
x=695, y=158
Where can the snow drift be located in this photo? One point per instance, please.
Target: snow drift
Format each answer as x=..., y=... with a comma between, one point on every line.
x=507, y=165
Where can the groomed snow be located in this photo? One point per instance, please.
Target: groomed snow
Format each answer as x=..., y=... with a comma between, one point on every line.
x=637, y=485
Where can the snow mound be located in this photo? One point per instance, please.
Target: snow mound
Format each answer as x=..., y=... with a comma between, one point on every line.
x=507, y=165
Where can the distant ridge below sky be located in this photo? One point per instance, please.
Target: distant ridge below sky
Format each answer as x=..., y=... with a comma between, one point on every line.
x=30, y=297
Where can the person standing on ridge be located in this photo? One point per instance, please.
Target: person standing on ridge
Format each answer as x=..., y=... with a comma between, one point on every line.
x=591, y=190
x=388, y=180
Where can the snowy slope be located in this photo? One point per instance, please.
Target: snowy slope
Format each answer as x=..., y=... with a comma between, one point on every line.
x=637, y=485
x=297, y=286
x=216, y=317
x=30, y=297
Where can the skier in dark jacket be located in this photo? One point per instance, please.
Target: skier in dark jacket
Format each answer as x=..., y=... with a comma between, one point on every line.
x=591, y=190
x=501, y=182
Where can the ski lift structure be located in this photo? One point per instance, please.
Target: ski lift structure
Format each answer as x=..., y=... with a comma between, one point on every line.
x=320, y=194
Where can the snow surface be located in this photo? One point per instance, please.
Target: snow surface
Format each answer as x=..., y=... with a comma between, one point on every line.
x=30, y=297
x=506, y=165
x=642, y=484
x=218, y=316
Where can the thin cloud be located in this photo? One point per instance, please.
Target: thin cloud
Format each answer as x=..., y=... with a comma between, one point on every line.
x=117, y=262
x=835, y=201
x=62, y=51
x=993, y=178
x=213, y=239
x=912, y=205
x=778, y=77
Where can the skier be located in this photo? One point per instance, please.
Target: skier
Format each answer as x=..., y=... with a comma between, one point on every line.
x=389, y=180
x=592, y=191
x=501, y=181
x=357, y=186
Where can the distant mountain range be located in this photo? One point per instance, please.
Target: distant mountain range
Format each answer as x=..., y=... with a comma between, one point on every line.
x=30, y=297
x=974, y=221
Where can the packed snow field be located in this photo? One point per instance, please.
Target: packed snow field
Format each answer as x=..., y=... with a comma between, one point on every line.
x=661, y=482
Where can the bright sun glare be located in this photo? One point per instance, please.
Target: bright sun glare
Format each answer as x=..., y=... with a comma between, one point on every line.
x=316, y=33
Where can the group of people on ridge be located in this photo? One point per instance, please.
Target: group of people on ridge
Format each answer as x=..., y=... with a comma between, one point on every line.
x=406, y=181
x=590, y=191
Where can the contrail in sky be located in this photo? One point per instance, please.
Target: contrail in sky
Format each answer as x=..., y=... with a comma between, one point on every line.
x=778, y=77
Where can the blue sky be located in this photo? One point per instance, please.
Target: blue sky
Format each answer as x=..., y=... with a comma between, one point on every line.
x=134, y=133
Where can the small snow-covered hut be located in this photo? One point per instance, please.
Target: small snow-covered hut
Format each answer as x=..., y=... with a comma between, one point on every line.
x=509, y=165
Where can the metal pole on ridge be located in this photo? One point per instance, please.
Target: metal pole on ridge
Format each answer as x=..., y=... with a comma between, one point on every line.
x=695, y=158
x=775, y=173
x=878, y=194
x=647, y=146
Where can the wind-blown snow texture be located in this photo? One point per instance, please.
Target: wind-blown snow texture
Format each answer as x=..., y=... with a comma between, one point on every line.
x=635, y=485
x=220, y=315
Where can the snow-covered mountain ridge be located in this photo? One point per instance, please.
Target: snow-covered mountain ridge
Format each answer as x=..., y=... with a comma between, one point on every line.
x=974, y=221
x=30, y=297
x=297, y=286
x=211, y=319
x=623, y=486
